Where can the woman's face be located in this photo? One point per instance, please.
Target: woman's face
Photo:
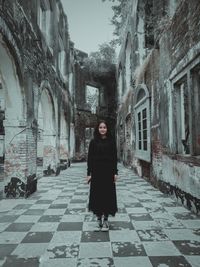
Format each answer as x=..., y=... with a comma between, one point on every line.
x=102, y=129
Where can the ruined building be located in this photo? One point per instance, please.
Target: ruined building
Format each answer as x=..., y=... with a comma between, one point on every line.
x=158, y=123
x=36, y=93
x=49, y=102
x=95, y=97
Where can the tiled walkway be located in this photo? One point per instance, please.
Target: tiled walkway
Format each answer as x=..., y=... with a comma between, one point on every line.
x=53, y=228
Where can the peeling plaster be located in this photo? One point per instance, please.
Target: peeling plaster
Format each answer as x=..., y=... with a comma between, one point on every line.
x=182, y=175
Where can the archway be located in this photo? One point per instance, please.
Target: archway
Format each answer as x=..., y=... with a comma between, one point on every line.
x=47, y=151
x=13, y=126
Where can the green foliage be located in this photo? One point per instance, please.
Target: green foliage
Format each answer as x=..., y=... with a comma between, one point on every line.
x=102, y=60
x=154, y=24
x=119, y=17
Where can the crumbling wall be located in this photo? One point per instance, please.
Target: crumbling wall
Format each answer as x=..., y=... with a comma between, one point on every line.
x=173, y=60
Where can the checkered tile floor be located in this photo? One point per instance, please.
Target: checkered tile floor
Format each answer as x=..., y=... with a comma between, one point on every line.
x=53, y=228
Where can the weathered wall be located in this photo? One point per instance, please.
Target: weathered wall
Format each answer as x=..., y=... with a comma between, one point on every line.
x=34, y=72
x=174, y=60
x=179, y=48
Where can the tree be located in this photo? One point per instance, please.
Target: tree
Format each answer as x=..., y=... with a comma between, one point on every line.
x=154, y=24
x=102, y=60
x=118, y=20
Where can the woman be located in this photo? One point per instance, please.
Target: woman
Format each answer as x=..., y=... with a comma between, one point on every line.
x=102, y=175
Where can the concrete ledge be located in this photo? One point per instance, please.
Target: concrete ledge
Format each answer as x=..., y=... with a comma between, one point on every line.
x=16, y=188
x=186, y=199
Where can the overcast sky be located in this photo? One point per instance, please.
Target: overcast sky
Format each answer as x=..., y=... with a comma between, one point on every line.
x=89, y=23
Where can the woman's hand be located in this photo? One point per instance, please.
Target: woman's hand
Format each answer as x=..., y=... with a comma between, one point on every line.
x=88, y=179
x=115, y=178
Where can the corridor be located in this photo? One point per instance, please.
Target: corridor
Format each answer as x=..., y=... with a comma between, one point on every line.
x=53, y=228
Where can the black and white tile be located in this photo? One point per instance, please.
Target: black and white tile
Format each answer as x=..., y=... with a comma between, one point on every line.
x=54, y=228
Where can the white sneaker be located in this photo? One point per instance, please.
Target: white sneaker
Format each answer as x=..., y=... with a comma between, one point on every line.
x=105, y=227
x=99, y=225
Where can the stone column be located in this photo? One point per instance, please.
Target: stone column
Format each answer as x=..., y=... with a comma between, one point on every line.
x=51, y=163
x=64, y=152
x=19, y=167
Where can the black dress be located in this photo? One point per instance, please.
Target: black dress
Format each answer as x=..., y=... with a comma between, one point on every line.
x=102, y=166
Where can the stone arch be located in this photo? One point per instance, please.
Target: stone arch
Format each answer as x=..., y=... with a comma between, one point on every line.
x=47, y=127
x=14, y=126
x=11, y=84
x=141, y=93
x=8, y=41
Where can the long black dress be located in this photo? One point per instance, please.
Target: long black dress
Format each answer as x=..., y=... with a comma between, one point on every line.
x=102, y=166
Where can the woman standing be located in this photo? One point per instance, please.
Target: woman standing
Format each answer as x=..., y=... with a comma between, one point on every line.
x=102, y=175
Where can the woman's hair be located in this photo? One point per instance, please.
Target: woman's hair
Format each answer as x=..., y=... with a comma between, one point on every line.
x=96, y=130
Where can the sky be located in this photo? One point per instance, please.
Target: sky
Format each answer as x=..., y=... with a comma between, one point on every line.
x=89, y=23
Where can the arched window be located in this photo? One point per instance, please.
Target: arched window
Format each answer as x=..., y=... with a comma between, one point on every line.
x=142, y=122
